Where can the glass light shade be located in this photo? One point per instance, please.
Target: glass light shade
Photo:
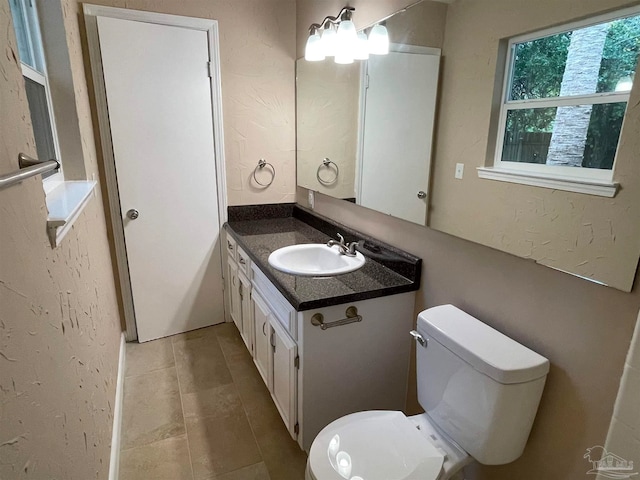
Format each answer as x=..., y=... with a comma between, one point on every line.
x=313, y=51
x=624, y=84
x=361, y=50
x=347, y=35
x=329, y=42
x=343, y=56
x=379, y=40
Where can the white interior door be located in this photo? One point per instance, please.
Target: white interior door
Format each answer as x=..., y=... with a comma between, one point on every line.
x=400, y=106
x=160, y=112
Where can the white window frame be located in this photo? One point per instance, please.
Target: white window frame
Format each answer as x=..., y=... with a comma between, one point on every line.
x=54, y=180
x=583, y=180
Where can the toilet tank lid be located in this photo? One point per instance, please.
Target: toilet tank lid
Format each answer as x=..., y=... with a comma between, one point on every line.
x=483, y=347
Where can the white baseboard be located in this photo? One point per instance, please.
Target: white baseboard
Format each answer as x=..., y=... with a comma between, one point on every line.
x=114, y=461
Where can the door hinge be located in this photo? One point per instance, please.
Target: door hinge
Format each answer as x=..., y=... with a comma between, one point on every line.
x=296, y=361
x=366, y=81
x=210, y=69
x=296, y=428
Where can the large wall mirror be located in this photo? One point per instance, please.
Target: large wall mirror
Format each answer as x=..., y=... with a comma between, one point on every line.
x=423, y=133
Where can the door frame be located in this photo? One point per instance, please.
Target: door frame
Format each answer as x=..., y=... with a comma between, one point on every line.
x=91, y=12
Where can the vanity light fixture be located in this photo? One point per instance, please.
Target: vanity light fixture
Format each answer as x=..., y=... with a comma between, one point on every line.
x=337, y=37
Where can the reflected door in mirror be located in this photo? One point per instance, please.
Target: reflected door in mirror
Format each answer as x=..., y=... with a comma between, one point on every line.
x=399, y=110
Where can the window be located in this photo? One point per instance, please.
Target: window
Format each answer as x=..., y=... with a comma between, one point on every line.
x=25, y=19
x=564, y=98
x=50, y=91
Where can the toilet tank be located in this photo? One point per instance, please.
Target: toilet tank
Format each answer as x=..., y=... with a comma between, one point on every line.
x=477, y=385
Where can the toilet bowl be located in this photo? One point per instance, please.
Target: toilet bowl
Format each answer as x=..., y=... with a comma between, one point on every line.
x=383, y=445
x=480, y=391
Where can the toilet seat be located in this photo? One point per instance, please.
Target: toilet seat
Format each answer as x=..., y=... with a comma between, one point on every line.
x=382, y=445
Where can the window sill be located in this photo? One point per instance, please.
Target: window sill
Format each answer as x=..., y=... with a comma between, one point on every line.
x=65, y=202
x=569, y=184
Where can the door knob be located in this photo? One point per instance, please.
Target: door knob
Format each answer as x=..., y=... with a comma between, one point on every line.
x=133, y=214
x=422, y=194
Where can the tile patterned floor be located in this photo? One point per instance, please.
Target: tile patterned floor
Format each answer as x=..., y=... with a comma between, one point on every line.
x=195, y=408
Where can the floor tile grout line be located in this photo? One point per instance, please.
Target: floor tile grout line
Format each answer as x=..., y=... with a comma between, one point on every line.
x=184, y=420
x=144, y=445
x=244, y=409
x=153, y=371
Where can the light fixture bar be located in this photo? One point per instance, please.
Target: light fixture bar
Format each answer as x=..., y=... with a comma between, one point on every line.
x=334, y=37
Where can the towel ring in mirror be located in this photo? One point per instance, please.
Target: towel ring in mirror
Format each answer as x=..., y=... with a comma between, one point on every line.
x=261, y=164
x=327, y=163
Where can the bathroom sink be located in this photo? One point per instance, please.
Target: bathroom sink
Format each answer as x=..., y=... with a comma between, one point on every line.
x=314, y=260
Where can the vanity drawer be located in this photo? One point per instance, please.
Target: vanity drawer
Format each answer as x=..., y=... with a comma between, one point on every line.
x=244, y=264
x=280, y=308
x=231, y=246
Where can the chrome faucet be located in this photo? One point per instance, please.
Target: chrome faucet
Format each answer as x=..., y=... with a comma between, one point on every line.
x=348, y=249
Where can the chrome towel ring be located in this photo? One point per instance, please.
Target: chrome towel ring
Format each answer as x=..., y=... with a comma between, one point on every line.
x=327, y=163
x=261, y=164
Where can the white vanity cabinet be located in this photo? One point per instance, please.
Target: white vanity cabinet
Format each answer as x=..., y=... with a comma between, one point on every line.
x=275, y=348
x=314, y=374
x=238, y=290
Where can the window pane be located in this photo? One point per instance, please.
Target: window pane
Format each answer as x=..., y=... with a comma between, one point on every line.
x=25, y=23
x=22, y=33
x=38, y=107
x=595, y=59
x=538, y=67
x=620, y=55
x=577, y=136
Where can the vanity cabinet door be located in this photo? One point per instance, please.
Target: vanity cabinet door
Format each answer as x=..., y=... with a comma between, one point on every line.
x=285, y=375
x=235, y=308
x=246, y=332
x=262, y=345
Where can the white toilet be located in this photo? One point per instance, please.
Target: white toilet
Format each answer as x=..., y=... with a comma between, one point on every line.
x=480, y=390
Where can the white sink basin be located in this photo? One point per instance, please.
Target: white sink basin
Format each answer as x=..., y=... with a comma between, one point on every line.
x=314, y=260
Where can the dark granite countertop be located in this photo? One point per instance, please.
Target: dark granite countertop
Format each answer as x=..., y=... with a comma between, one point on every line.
x=261, y=229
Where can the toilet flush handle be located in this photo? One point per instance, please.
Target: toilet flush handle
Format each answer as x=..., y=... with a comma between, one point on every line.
x=419, y=338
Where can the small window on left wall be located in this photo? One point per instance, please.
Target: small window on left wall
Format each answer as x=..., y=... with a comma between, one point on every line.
x=65, y=197
x=34, y=71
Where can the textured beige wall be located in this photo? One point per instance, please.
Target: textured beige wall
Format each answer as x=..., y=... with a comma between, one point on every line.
x=328, y=107
x=59, y=321
x=592, y=236
x=422, y=24
x=257, y=53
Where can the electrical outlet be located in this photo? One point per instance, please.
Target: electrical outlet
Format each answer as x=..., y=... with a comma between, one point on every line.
x=459, y=170
x=311, y=199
